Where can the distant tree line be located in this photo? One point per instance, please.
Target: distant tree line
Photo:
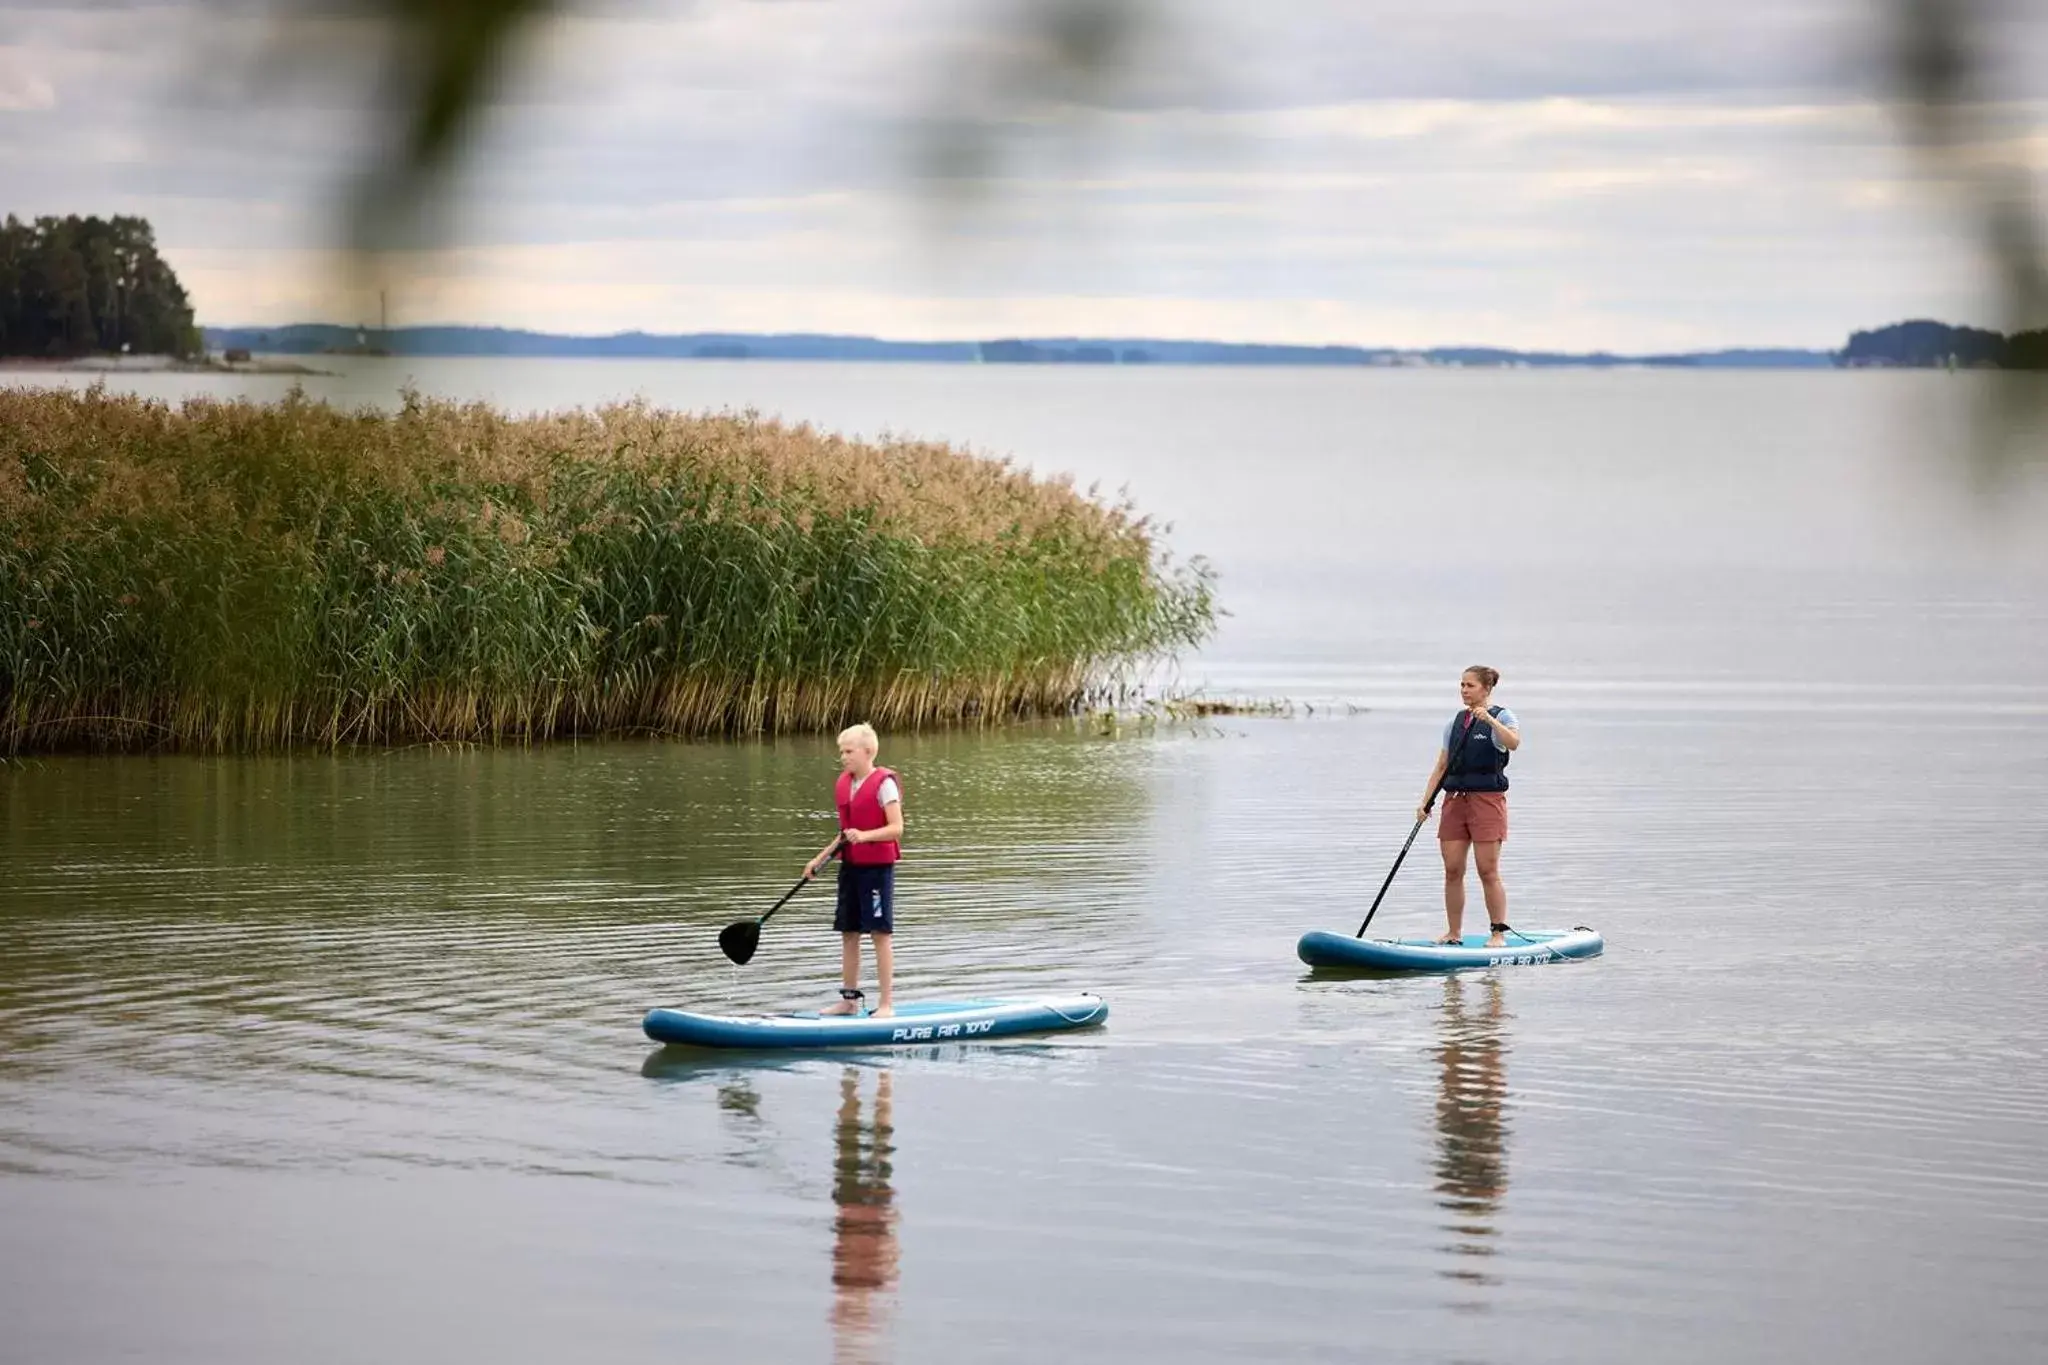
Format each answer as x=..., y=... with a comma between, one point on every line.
x=1028, y=353
x=81, y=286
x=1924, y=344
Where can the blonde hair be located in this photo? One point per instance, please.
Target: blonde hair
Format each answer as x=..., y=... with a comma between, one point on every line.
x=865, y=733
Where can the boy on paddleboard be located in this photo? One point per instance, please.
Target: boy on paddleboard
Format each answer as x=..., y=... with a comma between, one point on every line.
x=870, y=805
x=1473, y=767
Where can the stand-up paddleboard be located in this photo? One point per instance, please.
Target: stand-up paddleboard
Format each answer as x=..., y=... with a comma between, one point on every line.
x=934, y=1021
x=1320, y=948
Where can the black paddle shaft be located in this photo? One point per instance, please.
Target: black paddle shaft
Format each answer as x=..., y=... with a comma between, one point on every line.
x=1426, y=807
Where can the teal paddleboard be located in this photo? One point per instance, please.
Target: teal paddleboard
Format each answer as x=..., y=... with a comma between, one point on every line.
x=1320, y=948
x=931, y=1021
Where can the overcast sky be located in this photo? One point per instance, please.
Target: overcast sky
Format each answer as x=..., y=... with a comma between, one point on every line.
x=1628, y=174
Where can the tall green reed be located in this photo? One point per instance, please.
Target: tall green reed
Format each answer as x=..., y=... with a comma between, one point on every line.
x=230, y=575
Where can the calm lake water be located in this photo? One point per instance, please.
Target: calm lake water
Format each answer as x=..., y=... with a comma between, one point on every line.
x=338, y=1059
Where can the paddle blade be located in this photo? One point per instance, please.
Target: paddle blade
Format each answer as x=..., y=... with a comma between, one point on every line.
x=739, y=940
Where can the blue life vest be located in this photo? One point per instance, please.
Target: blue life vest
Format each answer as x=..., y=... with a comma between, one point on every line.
x=1474, y=764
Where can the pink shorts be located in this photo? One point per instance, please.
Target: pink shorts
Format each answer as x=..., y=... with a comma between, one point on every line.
x=1481, y=817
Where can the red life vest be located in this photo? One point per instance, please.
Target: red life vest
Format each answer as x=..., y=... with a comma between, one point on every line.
x=863, y=810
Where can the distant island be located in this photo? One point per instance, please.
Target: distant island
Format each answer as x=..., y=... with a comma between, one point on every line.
x=94, y=294
x=1921, y=344
x=326, y=339
x=72, y=287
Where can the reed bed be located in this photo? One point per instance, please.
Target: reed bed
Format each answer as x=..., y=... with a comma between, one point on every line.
x=232, y=576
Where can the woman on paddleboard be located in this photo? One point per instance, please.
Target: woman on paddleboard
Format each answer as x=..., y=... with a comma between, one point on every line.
x=1472, y=766
x=870, y=805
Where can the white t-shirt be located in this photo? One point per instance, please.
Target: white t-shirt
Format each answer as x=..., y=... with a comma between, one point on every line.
x=888, y=796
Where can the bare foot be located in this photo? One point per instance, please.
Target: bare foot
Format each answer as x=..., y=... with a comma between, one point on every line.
x=883, y=1011
x=1496, y=941
x=1450, y=941
x=841, y=1007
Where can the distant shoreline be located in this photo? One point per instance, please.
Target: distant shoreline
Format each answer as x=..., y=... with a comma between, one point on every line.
x=154, y=364
x=500, y=343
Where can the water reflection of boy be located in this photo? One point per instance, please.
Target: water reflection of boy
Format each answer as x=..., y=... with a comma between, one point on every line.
x=864, y=1251
x=1471, y=1124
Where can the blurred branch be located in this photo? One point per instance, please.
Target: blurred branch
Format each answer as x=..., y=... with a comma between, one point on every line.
x=1034, y=63
x=448, y=58
x=1941, y=72
x=1047, y=60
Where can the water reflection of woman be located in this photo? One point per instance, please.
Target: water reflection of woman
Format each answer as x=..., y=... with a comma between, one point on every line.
x=1471, y=1124
x=864, y=1229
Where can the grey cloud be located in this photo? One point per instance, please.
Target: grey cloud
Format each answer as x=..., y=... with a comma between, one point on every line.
x=1481, y=50
x=1181, y=53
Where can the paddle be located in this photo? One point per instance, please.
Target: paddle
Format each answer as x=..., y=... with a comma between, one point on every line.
x=1427, y=806
x=739, y=939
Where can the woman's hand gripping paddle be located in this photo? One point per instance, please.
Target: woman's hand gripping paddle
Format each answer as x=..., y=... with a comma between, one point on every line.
x=739, y=939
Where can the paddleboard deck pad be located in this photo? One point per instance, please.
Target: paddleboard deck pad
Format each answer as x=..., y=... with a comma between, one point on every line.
x=1320, y=948
x=912, y=1025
